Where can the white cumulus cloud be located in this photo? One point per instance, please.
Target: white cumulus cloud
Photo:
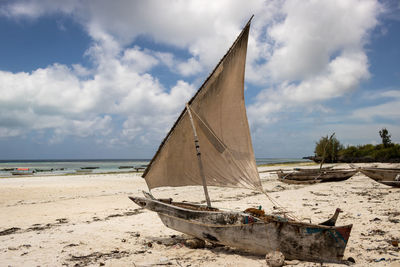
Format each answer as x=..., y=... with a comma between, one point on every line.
x=317, y=52
x=301, y=52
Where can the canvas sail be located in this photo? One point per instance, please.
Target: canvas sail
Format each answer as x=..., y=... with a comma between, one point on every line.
x=219, y=115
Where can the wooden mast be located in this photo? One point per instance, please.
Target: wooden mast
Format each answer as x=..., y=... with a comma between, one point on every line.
x=196, y=143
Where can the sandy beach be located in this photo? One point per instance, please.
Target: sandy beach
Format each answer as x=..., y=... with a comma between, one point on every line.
x=88, y=220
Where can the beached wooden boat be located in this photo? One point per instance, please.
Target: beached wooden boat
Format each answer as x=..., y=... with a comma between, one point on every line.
x=215, y=120
x=249, y=232
x=313, y=169
x=387, y=176
x=315, y=176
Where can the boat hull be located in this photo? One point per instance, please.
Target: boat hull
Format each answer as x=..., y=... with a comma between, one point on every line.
x=309, y=177
x=388, y=176
x=295, y=240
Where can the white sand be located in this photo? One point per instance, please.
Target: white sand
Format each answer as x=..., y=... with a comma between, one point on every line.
x=89, y=220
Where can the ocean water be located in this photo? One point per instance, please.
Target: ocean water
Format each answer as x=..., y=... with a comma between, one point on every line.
x=57, y=167
x=262, y=161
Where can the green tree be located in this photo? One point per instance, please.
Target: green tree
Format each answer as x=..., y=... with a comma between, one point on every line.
x=328, y=148
x=384, y=133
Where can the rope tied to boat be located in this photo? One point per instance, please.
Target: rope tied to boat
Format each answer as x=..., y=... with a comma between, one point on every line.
x=286, y=213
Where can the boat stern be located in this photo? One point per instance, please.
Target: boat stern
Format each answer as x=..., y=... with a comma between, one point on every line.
x=344, y=233
x=328, y=244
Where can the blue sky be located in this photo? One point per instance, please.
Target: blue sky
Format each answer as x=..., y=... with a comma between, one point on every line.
x=106, y=79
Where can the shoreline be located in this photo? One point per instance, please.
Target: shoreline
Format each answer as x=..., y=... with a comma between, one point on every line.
x=296, y=163
x=69, y=174
x=83, y=172
x=59, y=167
x=89, y=220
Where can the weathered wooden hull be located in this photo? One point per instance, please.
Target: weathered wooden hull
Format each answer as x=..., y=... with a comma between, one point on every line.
x=290, y=181
x=313, y=169
x=21, y=173
x=307, y=177
x=387, y=176
x=259, y=236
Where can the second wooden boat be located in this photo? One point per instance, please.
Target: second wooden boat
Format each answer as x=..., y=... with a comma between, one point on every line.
x=386, y=176
x=317, y=176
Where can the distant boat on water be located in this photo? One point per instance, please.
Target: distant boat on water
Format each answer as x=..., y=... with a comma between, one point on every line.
x=44, y=170
x=125, y=167
x=23, y=171
x=7, y=169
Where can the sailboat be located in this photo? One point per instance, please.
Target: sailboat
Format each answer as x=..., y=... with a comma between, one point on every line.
x=210, y=145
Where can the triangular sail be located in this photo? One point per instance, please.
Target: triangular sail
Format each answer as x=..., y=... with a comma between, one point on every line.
x=219, y=116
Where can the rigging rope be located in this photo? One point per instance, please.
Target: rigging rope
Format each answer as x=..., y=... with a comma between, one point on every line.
x=274, y=202
x=279, y=206
x=236, y=162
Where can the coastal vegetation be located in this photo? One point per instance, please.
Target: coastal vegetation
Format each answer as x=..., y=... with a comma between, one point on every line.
x=327, y=149
x=330, y=150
